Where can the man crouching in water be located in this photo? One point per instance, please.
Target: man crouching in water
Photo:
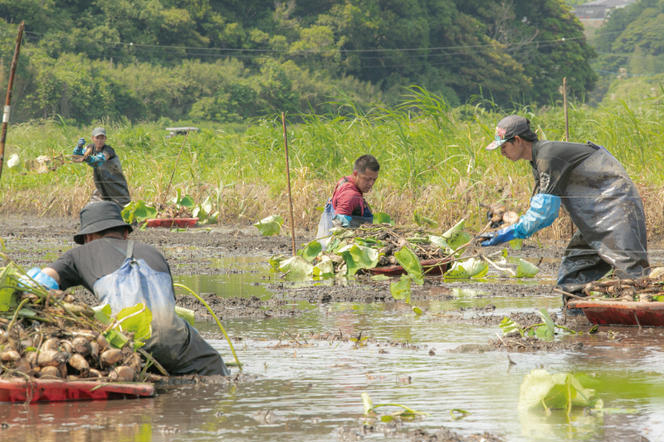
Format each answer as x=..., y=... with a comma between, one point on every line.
x=347, y=206
x=123, y=273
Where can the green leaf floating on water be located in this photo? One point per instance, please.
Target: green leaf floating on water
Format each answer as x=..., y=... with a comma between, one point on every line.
x=401, y=289
x=526, y=269
x=311, y=250
x=324, y=268
x=382, y=218
x=411, y=264
x=358, y=257
x=545, y=391
x=547, y=331
x=470, y=268
x=270, y=225
x=296, y=268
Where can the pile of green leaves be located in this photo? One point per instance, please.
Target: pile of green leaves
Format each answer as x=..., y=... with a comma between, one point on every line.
x=350, y=252
x=180, y=206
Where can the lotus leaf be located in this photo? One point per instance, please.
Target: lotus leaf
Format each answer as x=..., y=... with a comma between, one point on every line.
x=358, y=257
x=411, y=263
x=270, y=225
x=470, y=268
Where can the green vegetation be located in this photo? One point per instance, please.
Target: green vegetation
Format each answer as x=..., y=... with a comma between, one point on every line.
x=222, y=61
x=432, y=161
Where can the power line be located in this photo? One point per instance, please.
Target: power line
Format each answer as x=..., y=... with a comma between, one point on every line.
x=315, y=51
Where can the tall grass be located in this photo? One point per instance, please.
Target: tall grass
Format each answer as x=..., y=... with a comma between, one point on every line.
x=432, y=160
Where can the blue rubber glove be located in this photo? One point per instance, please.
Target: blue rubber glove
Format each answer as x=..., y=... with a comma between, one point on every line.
x=500, y=236
x=43, y=279
x=344, y=219
x=80, y=147
x=96, y=159
x=543, y=211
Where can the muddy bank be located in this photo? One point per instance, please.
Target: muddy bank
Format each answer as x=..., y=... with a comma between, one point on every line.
x=34, y=241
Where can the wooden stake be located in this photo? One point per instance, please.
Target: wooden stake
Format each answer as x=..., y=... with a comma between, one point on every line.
x=571, y=223
x=290, y=198
x=8, y=99
x=565, y=108
x=177, y=159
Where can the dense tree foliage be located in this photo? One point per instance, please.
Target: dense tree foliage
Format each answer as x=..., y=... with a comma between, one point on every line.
x=632, y=39
x=227, y=60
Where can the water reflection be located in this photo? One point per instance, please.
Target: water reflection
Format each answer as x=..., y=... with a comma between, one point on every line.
x=308, y=378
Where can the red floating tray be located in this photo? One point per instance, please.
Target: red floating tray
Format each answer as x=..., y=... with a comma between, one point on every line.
x=429, y=266
x=39, y=390
x=171, y=222
x=621, y=312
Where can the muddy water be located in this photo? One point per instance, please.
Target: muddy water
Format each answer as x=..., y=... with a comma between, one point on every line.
x=304, y=384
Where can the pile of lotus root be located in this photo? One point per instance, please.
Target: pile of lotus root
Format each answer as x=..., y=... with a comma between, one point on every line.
x=642, y=289
x=49, y=336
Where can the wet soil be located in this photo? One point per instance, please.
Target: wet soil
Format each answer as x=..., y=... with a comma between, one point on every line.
x=32, y=241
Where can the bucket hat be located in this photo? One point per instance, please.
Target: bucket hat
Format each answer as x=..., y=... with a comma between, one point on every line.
x=99, y=216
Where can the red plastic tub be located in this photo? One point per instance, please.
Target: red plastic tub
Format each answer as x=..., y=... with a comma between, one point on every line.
x=171, y=222
x=429, y=267
x=38, y=390
x=621, y=312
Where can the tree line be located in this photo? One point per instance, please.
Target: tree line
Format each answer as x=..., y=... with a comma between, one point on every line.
x=229, y=60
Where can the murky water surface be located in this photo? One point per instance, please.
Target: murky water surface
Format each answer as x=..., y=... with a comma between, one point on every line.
x=307, y=389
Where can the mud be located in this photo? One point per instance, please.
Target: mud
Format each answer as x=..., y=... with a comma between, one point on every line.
x=39, y=241
x=34, y=241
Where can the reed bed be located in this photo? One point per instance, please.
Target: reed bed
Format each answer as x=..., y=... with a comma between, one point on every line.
x=432, y=161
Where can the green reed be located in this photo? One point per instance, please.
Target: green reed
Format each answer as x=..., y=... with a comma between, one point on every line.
x=432, y=159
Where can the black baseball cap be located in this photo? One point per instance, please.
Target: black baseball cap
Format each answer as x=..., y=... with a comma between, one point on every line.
x=99, y=216
x=508, y=128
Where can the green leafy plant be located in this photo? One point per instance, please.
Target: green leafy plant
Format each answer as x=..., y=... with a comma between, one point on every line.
x=422, y=220
x=469, y=268
x=382, y=218
x=405, y=413
x=270, y=225
x=545, y=391
x=358, y=257
x=205, y=212
x=138, y=211
x=545, y=330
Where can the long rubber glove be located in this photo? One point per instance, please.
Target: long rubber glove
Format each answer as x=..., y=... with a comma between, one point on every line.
x=43, y=279
x=80, y=147
x=96, y=159
x=344, y=219
x=543, y=211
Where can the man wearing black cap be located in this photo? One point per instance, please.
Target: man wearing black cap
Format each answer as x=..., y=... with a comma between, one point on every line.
x=123, y=273
x=110, y=182
x=599, y=196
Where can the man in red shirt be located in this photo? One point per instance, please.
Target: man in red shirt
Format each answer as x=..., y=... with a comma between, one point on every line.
x=347, y=206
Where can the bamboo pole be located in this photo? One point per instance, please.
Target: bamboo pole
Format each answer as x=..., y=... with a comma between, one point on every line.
x=8, y=98
x=565, y=108
x=564, y=91
x=290, y=198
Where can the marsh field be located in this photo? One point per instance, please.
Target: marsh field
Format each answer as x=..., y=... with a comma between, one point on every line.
x=314, y=352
